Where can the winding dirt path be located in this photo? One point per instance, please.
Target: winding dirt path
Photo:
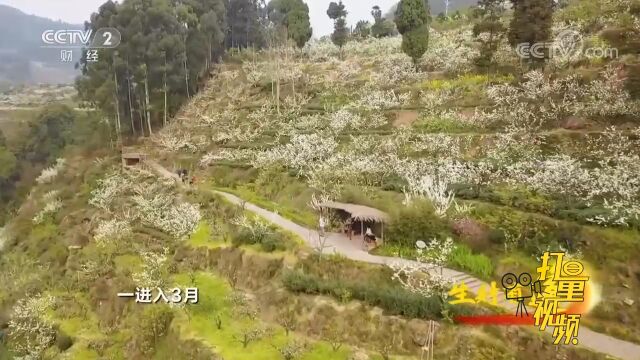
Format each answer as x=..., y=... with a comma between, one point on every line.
x=339, y=244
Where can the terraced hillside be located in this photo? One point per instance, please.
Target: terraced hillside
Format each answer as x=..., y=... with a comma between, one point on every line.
x=506, y=167
x=488, y=168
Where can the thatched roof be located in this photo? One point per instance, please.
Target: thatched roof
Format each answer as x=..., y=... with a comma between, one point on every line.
x=133, y=156
x=358, y=212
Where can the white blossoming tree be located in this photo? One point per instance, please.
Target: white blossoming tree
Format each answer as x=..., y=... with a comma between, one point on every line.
x=154, y=271
x=52, y=172
x=30, y=331
x=424, y=276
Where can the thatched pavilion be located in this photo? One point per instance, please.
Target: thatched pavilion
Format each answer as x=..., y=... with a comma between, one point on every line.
x=361, y=217
x=132, y=157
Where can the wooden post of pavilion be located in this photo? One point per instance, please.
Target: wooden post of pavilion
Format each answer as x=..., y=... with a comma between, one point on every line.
x=362, y=229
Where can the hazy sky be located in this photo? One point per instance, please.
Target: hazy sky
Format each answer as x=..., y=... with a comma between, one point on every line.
x=77, y=11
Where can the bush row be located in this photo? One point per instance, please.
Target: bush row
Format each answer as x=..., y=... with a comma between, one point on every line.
x=395, y=300
x=415, y=222
x=477, y=264
x=269, y=242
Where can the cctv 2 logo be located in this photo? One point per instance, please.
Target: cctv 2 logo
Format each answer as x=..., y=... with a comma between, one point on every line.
x=104, y=38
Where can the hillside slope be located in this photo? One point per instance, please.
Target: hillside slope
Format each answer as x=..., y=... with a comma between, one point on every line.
x=367, y=128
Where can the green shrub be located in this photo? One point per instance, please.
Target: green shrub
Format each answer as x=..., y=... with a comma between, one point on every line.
x=393, y=183
x=415, y=222
x=477, y=264
x=63, y=342
x=268, y=242
x=393, y=299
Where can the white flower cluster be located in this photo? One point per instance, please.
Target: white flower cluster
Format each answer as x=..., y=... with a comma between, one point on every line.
x=51, y=173
x=348, y=70
x=424, y=276
x=373, y=47
x=52, y=205
x=30, y=330
x=608, y=176
x=539, y=101
x=372, y=99
x=153, y=273
x=108, y=189
x=228, y=155
x=176, y=142
x=143, y=196
x=345, y=119
x=607, y=97
x=395, y=69
x=436, y=252
x=432, y=188
x=299, y=153
x=113, y=229
x=159, y=211
x=254, y=72
x=320, y=50
x=450, y=51
x=324, y=50
x=257, y=227
x=421, y=278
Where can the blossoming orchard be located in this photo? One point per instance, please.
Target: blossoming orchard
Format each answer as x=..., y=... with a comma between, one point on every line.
x=367, y=118
x=354, y=141
x=353, y=195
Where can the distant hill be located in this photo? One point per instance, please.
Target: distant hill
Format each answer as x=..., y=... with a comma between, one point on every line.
x=438, y=6
x=22, y=59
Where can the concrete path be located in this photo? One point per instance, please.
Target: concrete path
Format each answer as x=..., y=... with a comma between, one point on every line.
x=339, y=244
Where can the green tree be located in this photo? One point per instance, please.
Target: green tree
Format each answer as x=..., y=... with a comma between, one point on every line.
x=8, y=163
x=381, y=27
x=245, y=24
x=531, y=23
x=338, y=14
x=293, y=16
x=213, y=29
x=488, y=14
x=336, y=10
x=49, y=134
x=362, y=29
x=412, y=21
x=167, y=49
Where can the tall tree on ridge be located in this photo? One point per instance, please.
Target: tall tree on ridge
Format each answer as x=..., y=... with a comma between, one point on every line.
x=338, y=14
x=293, y=17
x=412, y=20
x=489, y=30
x=531, y=24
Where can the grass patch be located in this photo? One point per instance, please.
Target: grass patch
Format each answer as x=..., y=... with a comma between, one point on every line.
x=300, y=217
x=203, y=237
x=199, y=324
x=477, y=264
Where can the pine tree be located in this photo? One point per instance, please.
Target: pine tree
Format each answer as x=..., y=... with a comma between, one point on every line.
x=531, y=23
x=412, y=21
x=338, y=14
x=489, y=30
